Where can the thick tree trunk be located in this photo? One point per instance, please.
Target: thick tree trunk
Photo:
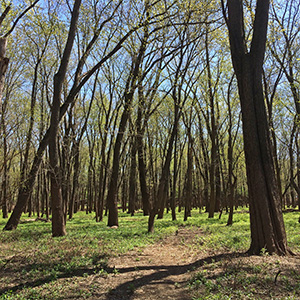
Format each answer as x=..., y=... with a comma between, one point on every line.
x=266, y=220
x=267, y=229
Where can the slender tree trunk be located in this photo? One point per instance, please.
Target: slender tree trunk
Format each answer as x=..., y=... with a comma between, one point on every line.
x=4, y=192
x=159, y=201
x=128, y=97
x=132, y=177
x=73, y=198
x=141, y=154
x=3, y=66
x=213, y=135
x=230, y=167
x=58, y=220
x=174, y=186
x=113, y=185
x=189, y=178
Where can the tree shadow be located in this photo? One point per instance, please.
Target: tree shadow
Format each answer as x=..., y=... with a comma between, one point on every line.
x=125, y=291
x=61, y=272
x=160, y=272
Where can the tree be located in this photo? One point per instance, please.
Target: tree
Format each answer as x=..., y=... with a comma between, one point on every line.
x=79, y=80
x=58, y=220
x=266, y=220
x=131, y=86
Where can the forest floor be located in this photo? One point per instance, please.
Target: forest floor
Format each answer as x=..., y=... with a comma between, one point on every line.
x=174, y=269
x=183, y=265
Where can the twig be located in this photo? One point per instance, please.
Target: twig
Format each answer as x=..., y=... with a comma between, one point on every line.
x=20, y=16
x=275, y=280
x=6, y=11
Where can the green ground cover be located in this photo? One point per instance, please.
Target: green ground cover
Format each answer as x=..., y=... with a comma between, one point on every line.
x=32, y=263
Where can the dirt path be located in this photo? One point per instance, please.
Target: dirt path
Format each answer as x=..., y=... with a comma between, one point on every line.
x=159, y=271
x=163, y=271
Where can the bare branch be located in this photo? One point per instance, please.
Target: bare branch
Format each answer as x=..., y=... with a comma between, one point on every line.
x=19, y=17
x=6, y=11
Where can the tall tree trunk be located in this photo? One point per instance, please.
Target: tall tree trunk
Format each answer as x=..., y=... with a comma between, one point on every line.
x=128, y=97
x=4, y=192
x=58, y=220
x=113, y=184
x=3, y=68
x=174, y=186
x=132, y=177
x=141, y=153
x=266, y=220
x=213, y=135
x=159, y=200
x=230, y=166
x=74, y=193
x=189, y=178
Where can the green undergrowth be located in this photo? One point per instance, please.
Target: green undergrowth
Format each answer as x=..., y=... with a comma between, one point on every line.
x=33, y=265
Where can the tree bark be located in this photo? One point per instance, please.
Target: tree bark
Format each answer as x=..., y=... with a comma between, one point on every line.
x=266, y=220
x=3, y=66
x=58, y=220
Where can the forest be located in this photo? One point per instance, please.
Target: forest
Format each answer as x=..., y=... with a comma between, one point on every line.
x=150, y=113
x=139, y=105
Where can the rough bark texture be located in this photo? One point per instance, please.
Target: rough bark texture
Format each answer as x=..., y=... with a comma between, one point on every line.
x=267, y=226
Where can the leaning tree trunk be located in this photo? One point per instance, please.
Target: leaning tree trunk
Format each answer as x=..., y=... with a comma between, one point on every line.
x=266, y=220
x=58, y=218
x=128, y=98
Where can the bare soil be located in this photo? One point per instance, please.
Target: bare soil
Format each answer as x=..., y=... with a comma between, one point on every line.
x=164, y=271
x=175, y=268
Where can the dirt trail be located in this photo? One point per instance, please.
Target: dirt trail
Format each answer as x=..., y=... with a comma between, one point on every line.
x=159, y=271
x=163, y=270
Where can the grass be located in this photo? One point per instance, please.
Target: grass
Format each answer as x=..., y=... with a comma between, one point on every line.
x=34, y=265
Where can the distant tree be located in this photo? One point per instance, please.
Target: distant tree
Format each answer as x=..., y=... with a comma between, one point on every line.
x=4, y=61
